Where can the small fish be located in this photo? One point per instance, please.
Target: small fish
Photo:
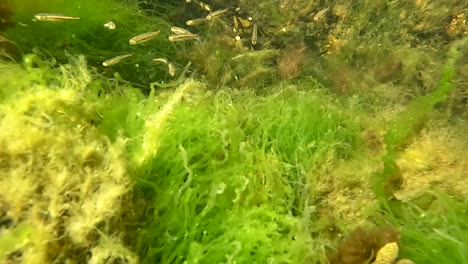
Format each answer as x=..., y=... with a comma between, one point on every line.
x=203, y=5
x=216, y=14
x=115, y=60
x=179, y=30
x=254, y=34
x=172, y=69
x=196, y=21
x=241, y=23
x=143, y=37
x=163, y=60
x=182, y=37
x=320, y=14
x=54, y=17
x=284, y=3
x=110, y=25
x=170, y=66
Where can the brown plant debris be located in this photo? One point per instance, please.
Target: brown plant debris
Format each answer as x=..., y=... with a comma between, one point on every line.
x=362, y=245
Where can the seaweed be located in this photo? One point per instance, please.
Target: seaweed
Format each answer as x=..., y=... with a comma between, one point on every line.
x=62, y=181
x=409, y=122
x=228, y=182
x=254, y=156
x=434, y=234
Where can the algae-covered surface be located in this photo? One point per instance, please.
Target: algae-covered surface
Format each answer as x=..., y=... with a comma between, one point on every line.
x=273, y=131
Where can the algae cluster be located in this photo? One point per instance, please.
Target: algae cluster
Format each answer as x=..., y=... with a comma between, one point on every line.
x=293, y=132
x=61, y=179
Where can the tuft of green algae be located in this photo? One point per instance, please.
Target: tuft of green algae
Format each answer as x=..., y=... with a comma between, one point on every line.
x=62, y=181
x=435, y=234
x=228, y=176
x=409, y=122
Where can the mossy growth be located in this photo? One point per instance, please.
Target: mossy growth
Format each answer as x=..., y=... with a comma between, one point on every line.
x=62, y=181
x=410, y=121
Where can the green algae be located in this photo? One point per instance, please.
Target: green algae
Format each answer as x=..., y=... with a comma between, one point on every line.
x=227, y=177
x=15, y=238
x=55, y=166
x=435, y=234
x=408, y=123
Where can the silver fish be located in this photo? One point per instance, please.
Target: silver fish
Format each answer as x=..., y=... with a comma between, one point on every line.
x=143, y=37
x=110, y=25
x=54, y=17
x=179, y=30
x=320, y=14
x=170, y=66
x=284, y=3
x=163, y=60
x=172, y=69
x=203, y=5
x=196, y=21
x=115, y=60
x=254, y=34
x=216, y=14
x=182, y=37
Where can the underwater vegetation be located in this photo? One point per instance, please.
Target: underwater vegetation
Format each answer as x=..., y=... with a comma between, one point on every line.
x=236, y=131
x=237, y=195
x=411, y=120
x=362, y=245
x=61, y=179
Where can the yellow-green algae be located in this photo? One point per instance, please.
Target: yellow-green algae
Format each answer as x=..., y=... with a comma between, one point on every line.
x=60, y=177
x=408, y=123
